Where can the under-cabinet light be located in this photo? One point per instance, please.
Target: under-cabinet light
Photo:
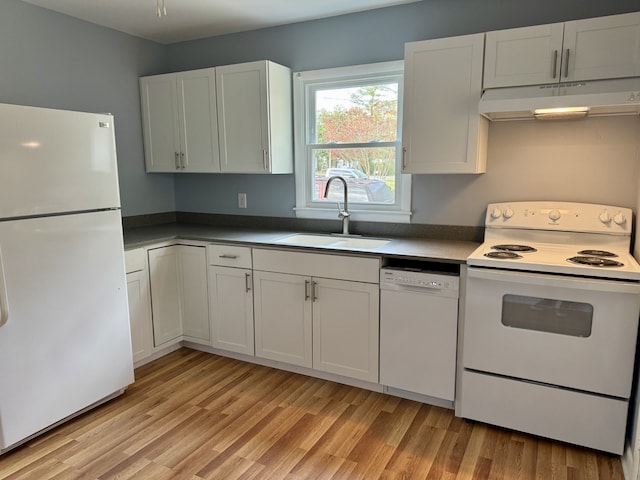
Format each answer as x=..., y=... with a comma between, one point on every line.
x=560, y=113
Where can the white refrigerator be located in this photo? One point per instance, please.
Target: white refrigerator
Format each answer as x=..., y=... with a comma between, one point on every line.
x=64, y=324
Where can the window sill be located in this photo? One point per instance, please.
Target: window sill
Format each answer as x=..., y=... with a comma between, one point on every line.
x=362, y=215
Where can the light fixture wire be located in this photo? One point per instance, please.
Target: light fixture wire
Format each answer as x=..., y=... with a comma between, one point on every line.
x=161, y=8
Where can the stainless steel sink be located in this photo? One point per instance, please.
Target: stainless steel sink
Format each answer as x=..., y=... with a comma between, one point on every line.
x=313, y=240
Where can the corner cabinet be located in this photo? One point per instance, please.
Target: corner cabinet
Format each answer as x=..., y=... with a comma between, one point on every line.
x=590, y=49
x=255, y=118
x=318, y=310
x=180, y=122
x=442, y=129
x=178, y=280
x=139, y=304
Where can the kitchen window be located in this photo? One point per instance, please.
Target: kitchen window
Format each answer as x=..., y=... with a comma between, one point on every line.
x=348, y=124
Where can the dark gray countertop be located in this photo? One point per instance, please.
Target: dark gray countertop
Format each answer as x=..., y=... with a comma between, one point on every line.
x=451, y=251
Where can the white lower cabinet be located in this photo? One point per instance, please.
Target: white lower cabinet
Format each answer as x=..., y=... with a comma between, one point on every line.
x=179, y=301
x=193, y=293
x=139, y=304
x=313, y=310
x=165, y=299
x=345, y=328
x=283, y=318
x=231, y=298
x=303, y=317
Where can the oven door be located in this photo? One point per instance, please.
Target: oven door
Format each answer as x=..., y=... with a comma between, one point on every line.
x=568, y=331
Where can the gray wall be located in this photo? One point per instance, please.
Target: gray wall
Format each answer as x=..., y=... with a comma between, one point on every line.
x=547, y=162
x=51, y=60
x=55, y=61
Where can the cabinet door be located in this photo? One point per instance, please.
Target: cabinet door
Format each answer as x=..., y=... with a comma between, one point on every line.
x=346, y=328
x=283, y=317
x=231, y=309
x=243, y=118
x=442, y=129
x=193, y=292
x=165, y=300
x=198, y=121
x=605, y=47
x=140, y=314
x=160, y=122
x=523, y=56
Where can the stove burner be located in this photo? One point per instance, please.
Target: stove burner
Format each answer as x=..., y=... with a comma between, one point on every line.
x=502, y=255
x=595, y=261
x=514, y=248
x=597, y=253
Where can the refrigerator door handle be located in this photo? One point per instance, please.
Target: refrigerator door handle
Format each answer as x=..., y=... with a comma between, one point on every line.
x=4, y=304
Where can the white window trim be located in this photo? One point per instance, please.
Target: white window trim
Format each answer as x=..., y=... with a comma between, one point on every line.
x=398, y=213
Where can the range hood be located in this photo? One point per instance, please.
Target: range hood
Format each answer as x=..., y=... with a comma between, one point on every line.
x=598, y=97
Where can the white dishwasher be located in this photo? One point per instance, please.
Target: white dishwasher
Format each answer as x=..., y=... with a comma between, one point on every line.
x=418, y=331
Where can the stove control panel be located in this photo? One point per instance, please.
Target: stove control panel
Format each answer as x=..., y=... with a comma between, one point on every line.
x=564, y=216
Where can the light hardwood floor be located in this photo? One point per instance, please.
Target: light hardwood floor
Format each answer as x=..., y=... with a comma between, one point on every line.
x=191, y=415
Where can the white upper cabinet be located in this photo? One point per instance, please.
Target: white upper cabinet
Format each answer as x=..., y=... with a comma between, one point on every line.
x=591, y=49
x=180, y=122
x=442, y=129
x=523, y=56
x=254, y=118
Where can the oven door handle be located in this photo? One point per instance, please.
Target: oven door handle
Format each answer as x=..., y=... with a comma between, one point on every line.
x=554, y=281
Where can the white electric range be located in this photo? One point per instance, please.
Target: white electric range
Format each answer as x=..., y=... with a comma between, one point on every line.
x=558, y=237
x=550, y=321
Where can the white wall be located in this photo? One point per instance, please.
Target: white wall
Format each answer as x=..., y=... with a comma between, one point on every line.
x=596, y=160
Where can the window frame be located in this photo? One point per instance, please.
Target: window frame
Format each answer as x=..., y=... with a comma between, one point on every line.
x=303, y=84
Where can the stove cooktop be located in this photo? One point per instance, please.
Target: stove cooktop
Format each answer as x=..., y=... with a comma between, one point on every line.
x=553, y=258
x=558, y=237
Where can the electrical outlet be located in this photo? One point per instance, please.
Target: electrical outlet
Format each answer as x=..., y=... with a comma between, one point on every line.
x=242, y=200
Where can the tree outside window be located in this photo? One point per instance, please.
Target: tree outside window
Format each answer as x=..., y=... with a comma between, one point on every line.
x=348, y=124
x=354, y=125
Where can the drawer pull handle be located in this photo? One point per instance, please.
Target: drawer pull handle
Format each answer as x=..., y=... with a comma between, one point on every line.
x=227, y=256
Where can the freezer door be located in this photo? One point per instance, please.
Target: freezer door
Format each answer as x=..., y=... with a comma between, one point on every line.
x=55, y=161
x=65, y=343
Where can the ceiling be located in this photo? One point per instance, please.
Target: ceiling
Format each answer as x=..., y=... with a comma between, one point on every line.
x=191, y=19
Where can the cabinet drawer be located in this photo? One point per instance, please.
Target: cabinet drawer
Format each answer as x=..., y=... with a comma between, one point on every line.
x=134, y=260
x=229, y=256
x=342, y=267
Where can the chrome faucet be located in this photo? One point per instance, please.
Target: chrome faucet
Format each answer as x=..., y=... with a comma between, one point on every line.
x=343, y=213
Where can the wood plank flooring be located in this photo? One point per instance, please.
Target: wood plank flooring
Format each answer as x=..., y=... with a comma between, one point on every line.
x=193, y=416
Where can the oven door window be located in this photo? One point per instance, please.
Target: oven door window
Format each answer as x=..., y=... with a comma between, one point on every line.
x=547, y=315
